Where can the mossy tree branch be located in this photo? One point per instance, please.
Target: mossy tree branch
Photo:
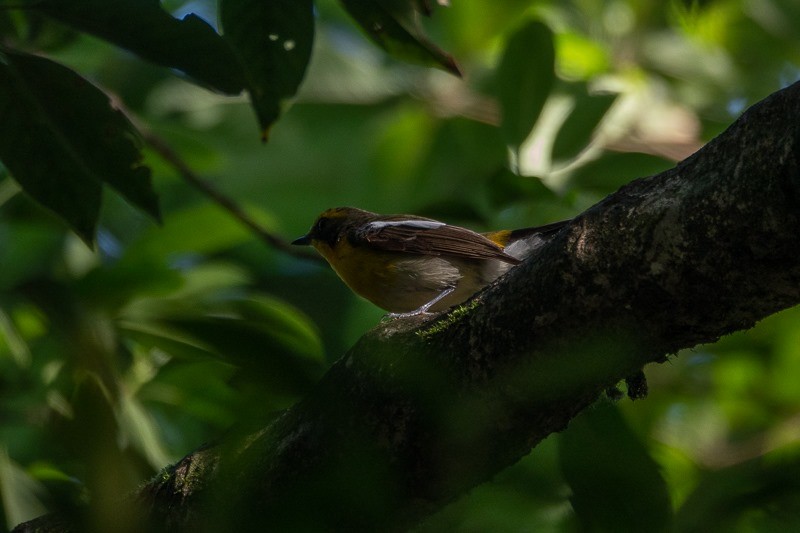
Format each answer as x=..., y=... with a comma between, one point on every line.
x=421, y=410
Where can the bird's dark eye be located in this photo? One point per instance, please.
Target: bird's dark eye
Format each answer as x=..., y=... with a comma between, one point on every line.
x=325, y=230
x=322, y=225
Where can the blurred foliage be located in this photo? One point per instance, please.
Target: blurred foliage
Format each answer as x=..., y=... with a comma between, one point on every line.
x=118, y=359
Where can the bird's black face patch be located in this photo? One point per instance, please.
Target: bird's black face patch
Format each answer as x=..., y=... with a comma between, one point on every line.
x=327, y=230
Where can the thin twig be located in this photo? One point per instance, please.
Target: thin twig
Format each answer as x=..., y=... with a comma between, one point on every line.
x=169, y=155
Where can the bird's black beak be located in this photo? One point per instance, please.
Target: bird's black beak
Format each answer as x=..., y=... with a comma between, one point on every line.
x=302, y=241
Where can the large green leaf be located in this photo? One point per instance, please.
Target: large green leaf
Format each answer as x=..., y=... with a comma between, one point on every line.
x=26, y=250
x=273, y=343
x=273, y=40
x=61, y=140
x=394, y=26
x=616, y=485
x=577, y=130
x=506, y=188
x=190, y=45
x=525, y=77
x=202, y=229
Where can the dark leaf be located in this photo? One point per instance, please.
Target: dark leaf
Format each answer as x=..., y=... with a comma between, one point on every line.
x=190, y=45
x=271, y=342
x=616, y=485
x=576, y=131
x=33, y=31
x=425, y=7
x=525, y=78
x=614, y=169
x=273, y=40
x=506, y=188
x=26, y=250
x=394, y=26
x=761, y=494
x=210, y=317
x=61, y=139
x=114, y=285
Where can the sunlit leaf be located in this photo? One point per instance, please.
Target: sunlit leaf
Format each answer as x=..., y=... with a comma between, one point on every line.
x=74, y=142
x=137, y=425
x=12, y=340
x=616, y=485
x=21, y=494
x=273, y=40
x=190, y=45
x=393, y=25
x=524, y=79
x=581, y=57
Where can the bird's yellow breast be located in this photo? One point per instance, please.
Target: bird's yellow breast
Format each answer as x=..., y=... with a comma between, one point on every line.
x=364, y=271
x=401, y=282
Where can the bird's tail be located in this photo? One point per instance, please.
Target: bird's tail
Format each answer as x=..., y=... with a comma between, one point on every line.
x=520, y=243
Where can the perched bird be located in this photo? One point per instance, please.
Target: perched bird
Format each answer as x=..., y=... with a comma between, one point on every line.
x=409, y=265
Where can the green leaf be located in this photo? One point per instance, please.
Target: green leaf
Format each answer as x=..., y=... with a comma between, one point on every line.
x=576, y=131
x=273, y=40
x=21, y=494
x=167, y=339
x=31, y=30
x=114, y=285
x=275, y=344
x=61, y=139
x=394, y=26
x=138, y=427
x=616, y=485
x=524, y=78
x=506, y=188
x=760, y=494
x=203, y=229
x=26, y=251
x=190, y=45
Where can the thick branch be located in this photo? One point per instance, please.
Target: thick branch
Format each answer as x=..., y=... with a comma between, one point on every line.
x=420, y=411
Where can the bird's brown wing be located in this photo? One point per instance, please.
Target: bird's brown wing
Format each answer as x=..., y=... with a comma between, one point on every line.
x=429, y=237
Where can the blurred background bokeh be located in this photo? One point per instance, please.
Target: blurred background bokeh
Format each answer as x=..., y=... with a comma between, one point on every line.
x=117, y=361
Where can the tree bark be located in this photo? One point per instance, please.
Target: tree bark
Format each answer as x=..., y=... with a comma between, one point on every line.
x=421, y=410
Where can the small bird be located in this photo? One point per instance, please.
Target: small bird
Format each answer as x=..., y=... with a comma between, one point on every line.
x=410, y=265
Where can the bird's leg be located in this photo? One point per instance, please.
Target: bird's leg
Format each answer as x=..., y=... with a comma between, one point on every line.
x=424, y=308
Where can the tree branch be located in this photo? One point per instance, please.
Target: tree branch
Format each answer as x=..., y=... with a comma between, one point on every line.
x=421, y=410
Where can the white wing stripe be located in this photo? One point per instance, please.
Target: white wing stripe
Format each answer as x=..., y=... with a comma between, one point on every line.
x=419, y=224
